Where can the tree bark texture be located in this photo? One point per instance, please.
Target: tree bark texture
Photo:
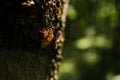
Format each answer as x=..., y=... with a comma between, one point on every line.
x=31, y=38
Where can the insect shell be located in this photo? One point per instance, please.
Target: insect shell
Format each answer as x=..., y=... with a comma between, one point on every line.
x=47, y=37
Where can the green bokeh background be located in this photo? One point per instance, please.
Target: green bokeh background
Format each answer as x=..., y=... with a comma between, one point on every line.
x=92, y=41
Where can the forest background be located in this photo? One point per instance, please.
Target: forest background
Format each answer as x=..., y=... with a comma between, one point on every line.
x=92, y=46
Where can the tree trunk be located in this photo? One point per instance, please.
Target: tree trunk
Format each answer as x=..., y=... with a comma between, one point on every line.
x=31, y=38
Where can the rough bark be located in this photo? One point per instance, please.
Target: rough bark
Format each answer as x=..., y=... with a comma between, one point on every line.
x=31, y=39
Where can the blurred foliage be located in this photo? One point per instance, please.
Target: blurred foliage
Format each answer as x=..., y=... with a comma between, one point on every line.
x=92, y=46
